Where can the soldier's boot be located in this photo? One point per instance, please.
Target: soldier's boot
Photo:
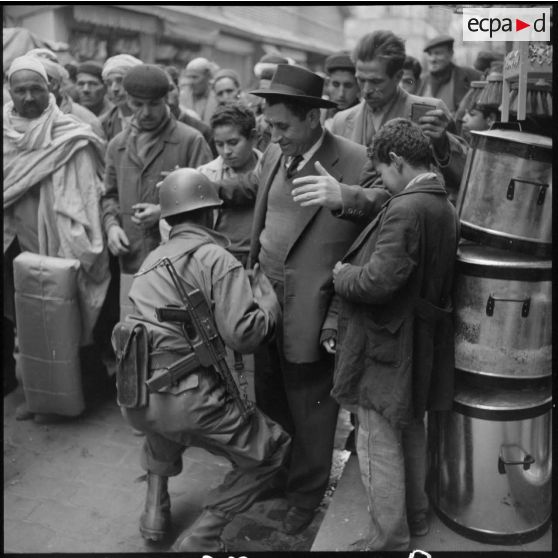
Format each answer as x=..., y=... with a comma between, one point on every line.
x=155, y=520
x=204, y=534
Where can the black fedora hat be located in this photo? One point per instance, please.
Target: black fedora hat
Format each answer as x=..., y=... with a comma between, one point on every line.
x=298, y=84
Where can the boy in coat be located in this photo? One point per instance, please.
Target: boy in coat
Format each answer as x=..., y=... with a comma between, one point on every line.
x=395, y=286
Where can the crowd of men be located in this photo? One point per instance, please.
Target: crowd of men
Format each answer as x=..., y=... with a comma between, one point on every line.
x=314, y=215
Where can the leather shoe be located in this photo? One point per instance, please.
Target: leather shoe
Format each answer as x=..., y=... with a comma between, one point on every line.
x=297, y=519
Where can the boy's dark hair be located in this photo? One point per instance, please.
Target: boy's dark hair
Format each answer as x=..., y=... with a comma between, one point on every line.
x=384, y=45
x=411, y=63
x=299, y=108
x=487, y=110
x=234, y=114
x=406, y=139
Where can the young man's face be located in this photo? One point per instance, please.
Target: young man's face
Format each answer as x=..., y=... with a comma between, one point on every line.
x=376, y=86
x=149, y=112
x=226, y=90
x=91, y=90
x=391, y=177
x=236, y=149
x=29, y=92
x=474, y=120
x=293, y=135
x=439, y=58
x=408, y=81
x=343, y=88
x=115, y=90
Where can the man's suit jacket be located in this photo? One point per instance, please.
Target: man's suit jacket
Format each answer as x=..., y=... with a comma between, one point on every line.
x=319, y=241
x=349, y=123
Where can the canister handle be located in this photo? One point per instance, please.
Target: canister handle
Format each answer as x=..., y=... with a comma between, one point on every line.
x=526, y=463
x=492, y=299
x=541, y=185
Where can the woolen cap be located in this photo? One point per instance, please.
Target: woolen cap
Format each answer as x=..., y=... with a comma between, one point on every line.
x=146, y=81
x=439, y=41
x=297, y=84
x=91, y=67
x=339, y=61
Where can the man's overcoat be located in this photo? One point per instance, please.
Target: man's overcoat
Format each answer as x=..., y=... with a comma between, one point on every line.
x=399, y=280
x=127, y=183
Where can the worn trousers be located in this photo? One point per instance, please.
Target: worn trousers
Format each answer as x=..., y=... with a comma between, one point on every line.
x=204, y=416
x=393, y=469
x=297, y=396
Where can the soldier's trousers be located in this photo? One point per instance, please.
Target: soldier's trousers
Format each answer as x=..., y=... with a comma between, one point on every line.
x=204, y=416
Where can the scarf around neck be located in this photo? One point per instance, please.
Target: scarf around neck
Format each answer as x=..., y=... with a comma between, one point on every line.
x=142, y=142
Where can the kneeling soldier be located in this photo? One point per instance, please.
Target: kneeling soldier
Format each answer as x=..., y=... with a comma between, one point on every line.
x=202, y=295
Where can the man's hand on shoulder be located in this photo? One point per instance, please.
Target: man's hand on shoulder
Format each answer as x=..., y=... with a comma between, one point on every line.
x=321, y=189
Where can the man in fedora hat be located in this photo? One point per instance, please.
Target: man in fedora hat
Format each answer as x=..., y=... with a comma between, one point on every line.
x=296, y=248
x=445, y=80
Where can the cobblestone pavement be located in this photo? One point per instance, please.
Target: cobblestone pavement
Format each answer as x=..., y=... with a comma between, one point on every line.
x=75, y=486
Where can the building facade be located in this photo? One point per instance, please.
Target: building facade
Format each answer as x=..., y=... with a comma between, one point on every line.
x=234, y=36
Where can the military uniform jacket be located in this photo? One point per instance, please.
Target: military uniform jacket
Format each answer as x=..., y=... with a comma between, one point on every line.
x=127, y=183
x=200, y=258
x=319, y=241
x=385, y=353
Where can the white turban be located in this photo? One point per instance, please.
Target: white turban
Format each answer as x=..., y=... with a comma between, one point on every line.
x=29, y=63
x=43, y=53
x=120, y=63
x=54, y=70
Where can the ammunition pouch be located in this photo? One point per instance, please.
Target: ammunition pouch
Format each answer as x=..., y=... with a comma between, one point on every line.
x=130, y=342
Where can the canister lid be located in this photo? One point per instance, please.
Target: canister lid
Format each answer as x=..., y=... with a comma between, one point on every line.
x=485, y=261
x=495, y=399
x=516, y=137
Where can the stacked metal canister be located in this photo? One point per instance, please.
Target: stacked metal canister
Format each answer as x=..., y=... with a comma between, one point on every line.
x=491, y=456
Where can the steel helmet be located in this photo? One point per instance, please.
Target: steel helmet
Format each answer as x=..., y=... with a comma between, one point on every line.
x=186, y=190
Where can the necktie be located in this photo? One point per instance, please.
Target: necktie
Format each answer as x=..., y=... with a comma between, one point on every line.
x=291, y=169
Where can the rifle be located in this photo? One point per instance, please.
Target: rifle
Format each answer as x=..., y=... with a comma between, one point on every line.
x=200, y=331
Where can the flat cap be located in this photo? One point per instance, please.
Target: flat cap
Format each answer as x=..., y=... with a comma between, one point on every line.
x=91, y=67
x=439, y=41
x=146, y=81
x=339, y=61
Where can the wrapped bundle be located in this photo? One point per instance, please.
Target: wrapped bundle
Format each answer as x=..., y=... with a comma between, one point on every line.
x=49, y=329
